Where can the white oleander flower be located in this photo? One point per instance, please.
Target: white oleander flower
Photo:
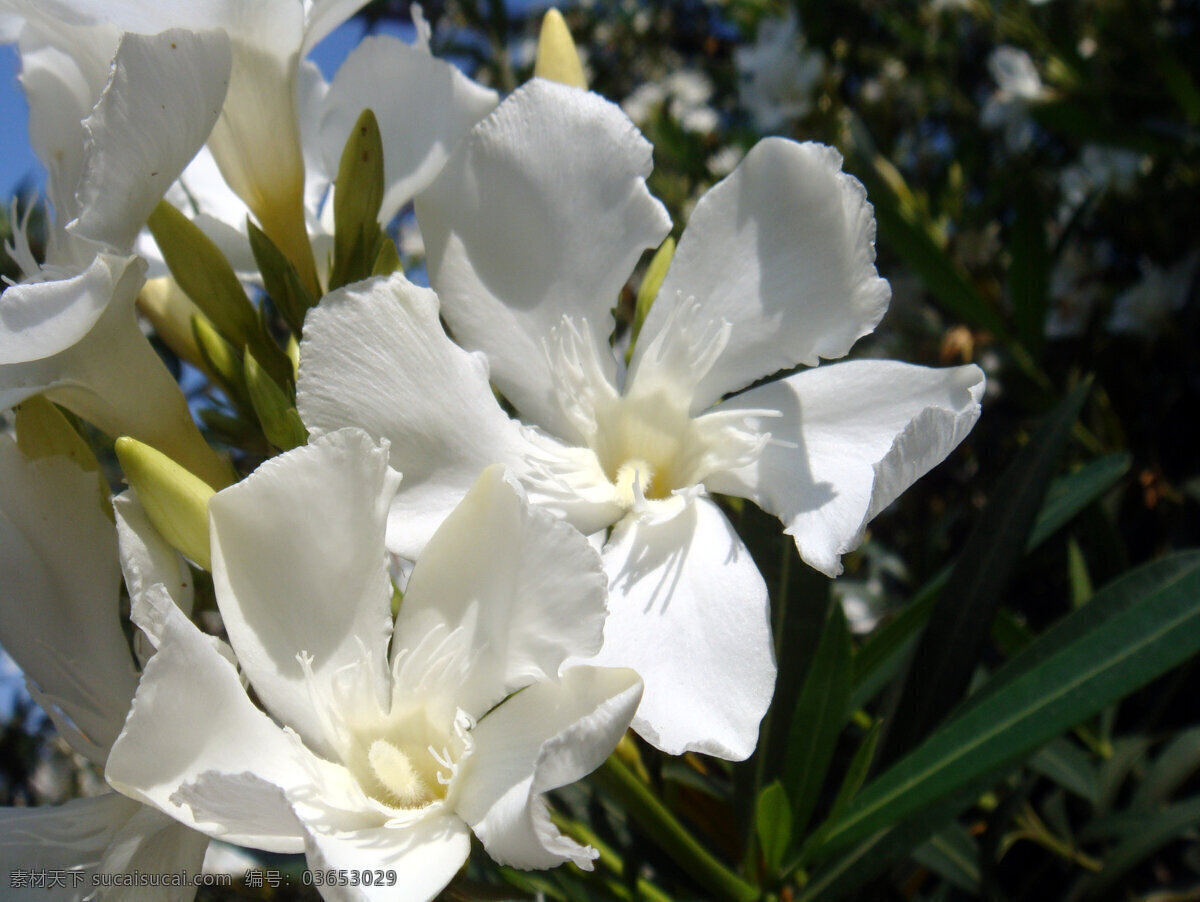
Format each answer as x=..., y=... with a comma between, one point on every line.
x=68, y=329
x=383, y=745
x=531, y=230
x=60, y=621
x=1147, y=309
x=1018, y=86
x=778, y=73
x=1099, y=169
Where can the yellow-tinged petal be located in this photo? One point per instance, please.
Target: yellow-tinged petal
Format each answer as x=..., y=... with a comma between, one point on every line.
x=557, y=58
x=175, y=500
x=43, y=431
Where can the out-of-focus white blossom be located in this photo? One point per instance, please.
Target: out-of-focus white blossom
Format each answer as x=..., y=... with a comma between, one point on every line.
x=1147, y=309
x=1018, y=86
x=778, y=73
x=683, y=95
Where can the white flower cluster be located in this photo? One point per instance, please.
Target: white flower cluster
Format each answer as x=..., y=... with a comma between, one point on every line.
x=414, y=658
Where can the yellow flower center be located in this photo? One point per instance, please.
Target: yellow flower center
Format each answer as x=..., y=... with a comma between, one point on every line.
x=404, y=785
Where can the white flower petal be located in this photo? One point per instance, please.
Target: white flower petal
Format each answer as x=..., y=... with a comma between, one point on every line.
x=152, y=843
x=161, y=102
x=420, y=123
x=70, y=837
x=196, y=748
x=851, y=438
x=323, y=16
x=375, y=355
x=59, y=596
x=425, y=855
x=689, y=611
x=529, y=585
x=64, y=68
x=112, y=377
x=148, y=560
x=544, y=737
x=541, y=212
x=41, y=319
x=298, y=567
x=784, y=250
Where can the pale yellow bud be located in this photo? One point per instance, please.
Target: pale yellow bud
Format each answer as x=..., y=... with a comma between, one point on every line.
x=174, y=499
x=557, y=58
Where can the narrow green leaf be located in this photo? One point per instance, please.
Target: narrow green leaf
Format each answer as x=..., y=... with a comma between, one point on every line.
x=357, y=196
x=952, y=854
x=1173, y=766
x=1077, y=575
x=204, y=274
x=280, y=278
x=1180, y=84
x=387, y=261
x=800, y=604
x=223, y=361
x=773, y=820
x=959, y=625
x=870, y=858
x=1029, y=270
x=818, y=719
x=1066, y=117
x=1127, y=753
x=648, y=290
x=1143, y=835
x=231, y=430
x=890, y=646
x=280, y=421
x=856, y=773
x=1068, y=495
x=1069, y=766
x=1072, y=671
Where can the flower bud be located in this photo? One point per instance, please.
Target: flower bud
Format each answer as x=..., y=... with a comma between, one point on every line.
x=557, y=58
x=175, y=500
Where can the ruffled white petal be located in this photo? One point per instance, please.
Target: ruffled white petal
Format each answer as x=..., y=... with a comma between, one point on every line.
x=152, y=843
x=196, y=748
x=147, y=559
x=375, y=355
x=544, y=737
x=299, y=569
x=43, y=318
x=690, y=612
x=59, y=597
x=64, y=67
x=70, y=837
x=784, y=251
x=161, y=102
x=541, y=212
x=420, y=123
x=528, y=585
x=851, y=438
x=424, y=854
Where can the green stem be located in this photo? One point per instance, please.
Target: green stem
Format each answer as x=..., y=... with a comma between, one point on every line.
x=670, y=835
x=609, y=858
